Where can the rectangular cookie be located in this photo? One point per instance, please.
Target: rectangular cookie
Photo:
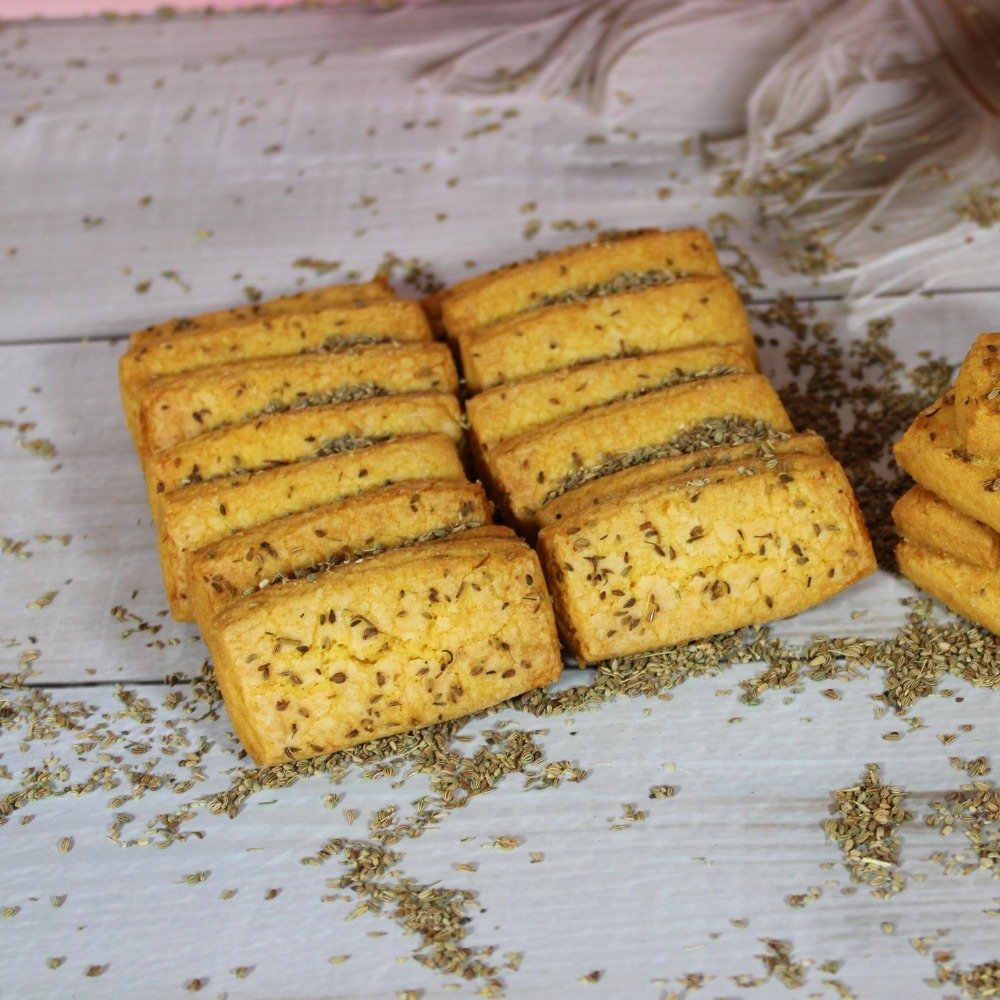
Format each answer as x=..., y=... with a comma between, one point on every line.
x=977, y=396
x=932, y=452
x=972, y=591
x=298, y=435
x=673, y=560
x=660, y=318
x=607, y=489
x=205, y=512
x=578, y=272
x=402, y=640
x=175, y=408
x=508, y=410
x=923, y=518
x=351, y=295
x=275, y=336
x=528, y=470
x=304, y=544
x=433, y=302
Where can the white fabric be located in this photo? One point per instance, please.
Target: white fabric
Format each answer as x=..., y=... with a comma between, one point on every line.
x=888, y=139
x=861, y=93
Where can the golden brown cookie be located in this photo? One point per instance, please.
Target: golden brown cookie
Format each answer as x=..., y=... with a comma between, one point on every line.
x=977, y=396
x=925, y=519
x=508, y=410
x=272, y=336
x=598, y=492
x=664, y=317
x=529, y=470
x=933, y=453
x=196, y=515
x=972, y=591
x=579, y=272
x=299, y=435
x=175, y=408
x=678, y=560
x=404, y=639
x=360, y=293
x=301, y=544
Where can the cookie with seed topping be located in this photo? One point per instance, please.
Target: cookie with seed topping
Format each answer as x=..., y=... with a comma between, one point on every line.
x=176, y=408
x=433, y=302
x=404, y=639
x=530, y=469
x=607, y=489
x=923, y=518
x=933, y=452
x=304, y=544
x=676, y=560
x=297, y=436
x=205, y=512
x=348, y=295
x=634, y=260
x=271, y=336
x=508, y=410
x=977, y=396
x=684, y=313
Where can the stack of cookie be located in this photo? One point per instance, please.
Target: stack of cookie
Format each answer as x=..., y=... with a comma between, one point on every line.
x=950, y=521
x=619, y=416
x=313, y=515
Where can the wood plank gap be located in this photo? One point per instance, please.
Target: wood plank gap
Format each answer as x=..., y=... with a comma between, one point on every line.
x=61, y=685
x=100, y=338
x=764, y=300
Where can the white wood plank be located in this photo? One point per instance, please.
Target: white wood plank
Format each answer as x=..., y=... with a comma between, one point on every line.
x=644, y=905
x=261, y=139
x=93, y=492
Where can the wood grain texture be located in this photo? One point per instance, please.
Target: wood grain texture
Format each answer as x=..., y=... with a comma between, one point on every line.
x=209, y=154
x=162, y=167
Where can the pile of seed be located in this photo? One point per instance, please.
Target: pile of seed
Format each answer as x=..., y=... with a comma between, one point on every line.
x=974, y=810
x=868, y=814
x=779, y=962
x=731, y=430
x=627, y=281
x=981, y=982
x=859, y=396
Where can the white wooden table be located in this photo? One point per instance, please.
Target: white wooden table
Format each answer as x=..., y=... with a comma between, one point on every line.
x=160, y=167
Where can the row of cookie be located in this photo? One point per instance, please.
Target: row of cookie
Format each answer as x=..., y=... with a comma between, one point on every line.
x=212, y=404
x=622, y=418
x=950, y=521
x=313, y=515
